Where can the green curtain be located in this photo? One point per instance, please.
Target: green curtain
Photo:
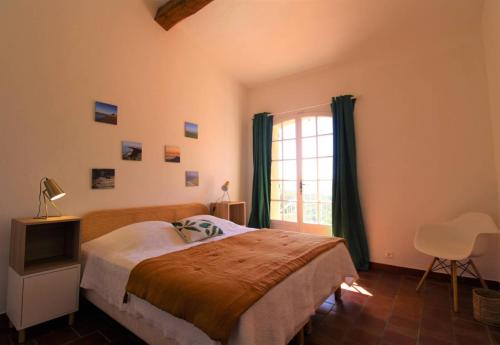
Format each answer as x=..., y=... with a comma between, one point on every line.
x=347, y=217
x=261, y=191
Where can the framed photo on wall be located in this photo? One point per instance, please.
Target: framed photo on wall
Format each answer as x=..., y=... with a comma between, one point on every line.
x=103, y=178
x=131, y=151
x=172, y=154
x=192, y=179
x=106, y=113
x=191, y=130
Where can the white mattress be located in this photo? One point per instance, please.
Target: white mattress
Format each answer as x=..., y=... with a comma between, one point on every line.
x=274, y=319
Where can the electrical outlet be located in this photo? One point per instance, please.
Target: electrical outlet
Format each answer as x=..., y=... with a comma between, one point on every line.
x=389, y=255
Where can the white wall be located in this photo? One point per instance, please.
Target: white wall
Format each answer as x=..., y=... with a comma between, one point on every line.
x=425, y=149
x=491, y=40
x=57, y=58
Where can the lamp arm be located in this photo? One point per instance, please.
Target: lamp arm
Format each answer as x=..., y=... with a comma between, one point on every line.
x=45, y=204
x=40, y=199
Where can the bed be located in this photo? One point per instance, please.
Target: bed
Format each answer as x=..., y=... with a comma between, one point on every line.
x=108, y=256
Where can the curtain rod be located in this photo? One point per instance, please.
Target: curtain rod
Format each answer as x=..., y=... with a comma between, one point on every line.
x=303, y=108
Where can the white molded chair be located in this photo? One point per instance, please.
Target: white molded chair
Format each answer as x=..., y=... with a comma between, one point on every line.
x=458, y=240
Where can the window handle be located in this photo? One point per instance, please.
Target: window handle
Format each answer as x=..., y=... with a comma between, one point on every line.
x=300, y=186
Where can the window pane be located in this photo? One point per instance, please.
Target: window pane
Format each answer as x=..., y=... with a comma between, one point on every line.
x=290, y=211
x=325, y=125
x=290, y=190
x=309, y=147
x=308, y=126
x=325, y=146
x=309, y=190
x=289, y=170
x=276, y=190
x=309, y=169
x=325, y=191
x=325, y=168
x=276, y=210
x=277, y=153
x=276, y=169
x=289, y=148
x=277, y=132
x=325, y=213
x=310, y=213
x=289, y=129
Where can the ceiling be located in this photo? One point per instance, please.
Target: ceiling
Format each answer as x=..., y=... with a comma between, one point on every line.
x=261, y=40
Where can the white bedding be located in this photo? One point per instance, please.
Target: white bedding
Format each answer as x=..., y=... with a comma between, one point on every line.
x=108, y=260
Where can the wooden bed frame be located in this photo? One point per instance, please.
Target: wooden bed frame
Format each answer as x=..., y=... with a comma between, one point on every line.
x=99, y=223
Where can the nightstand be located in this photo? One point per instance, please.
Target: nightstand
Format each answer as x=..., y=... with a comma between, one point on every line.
x=234, y=211
x=44, y=271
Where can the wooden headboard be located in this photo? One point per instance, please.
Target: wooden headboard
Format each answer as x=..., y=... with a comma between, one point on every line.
x=98, y=223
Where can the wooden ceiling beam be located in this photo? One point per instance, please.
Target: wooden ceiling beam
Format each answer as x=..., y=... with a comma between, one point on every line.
x=176, y=10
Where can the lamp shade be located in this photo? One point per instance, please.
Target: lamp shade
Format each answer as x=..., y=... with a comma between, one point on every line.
x=225, y=186
x=53, y=190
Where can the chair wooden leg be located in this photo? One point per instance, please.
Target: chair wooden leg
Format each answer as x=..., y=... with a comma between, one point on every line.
x=454, y=285
x=426, y=274
x=483, y=283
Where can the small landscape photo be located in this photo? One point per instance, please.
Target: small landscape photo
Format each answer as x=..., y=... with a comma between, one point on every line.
x=131, y=151
x=107, y=113
x=103, y=178
x=191, y=130
x=172, y=154
x=192, y=179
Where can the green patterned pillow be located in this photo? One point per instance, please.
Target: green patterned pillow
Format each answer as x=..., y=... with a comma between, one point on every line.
x=197, y=230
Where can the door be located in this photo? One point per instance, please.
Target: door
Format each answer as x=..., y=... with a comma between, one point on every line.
x=301, y=173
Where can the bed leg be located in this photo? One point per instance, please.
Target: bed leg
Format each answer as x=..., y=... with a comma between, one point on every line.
x=21, y=336
x=338, y=294
x=308, y=328
x=71, y=319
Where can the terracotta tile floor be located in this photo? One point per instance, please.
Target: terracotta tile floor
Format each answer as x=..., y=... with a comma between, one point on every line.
x=385, y=311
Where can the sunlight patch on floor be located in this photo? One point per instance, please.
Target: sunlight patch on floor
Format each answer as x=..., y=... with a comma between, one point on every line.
x=356, y=288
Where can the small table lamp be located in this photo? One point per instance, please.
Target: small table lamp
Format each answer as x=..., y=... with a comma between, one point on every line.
x=51, y=192
x=225, y=189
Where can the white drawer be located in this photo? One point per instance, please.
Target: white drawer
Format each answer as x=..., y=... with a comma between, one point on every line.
x=49, y=295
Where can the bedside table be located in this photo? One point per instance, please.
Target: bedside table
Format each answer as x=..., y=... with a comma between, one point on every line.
x=44, y=271
x=234, y=211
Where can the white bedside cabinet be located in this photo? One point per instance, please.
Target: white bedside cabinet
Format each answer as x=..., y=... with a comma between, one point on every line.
x=39, y=297
x=44, y=271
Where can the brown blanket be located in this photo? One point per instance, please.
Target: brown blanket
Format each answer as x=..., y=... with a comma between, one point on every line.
x=213, y=284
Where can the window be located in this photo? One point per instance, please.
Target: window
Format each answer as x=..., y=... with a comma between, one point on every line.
x=302, y=170
x=317, y=169
x=284, y=172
